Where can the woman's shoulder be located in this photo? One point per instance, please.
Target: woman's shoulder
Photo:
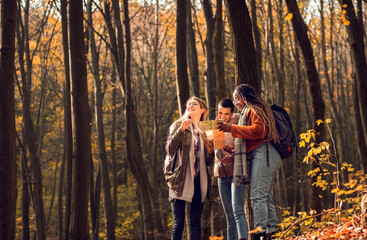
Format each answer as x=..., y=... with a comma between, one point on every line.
x=176, y=124
x=235, y=118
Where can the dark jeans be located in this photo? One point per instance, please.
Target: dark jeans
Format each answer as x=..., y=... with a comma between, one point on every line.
x=178, y=210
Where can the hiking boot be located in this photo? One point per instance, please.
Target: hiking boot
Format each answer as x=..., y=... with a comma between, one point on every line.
x=260, y=236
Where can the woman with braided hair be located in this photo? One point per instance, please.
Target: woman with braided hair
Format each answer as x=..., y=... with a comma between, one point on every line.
x=256, y=161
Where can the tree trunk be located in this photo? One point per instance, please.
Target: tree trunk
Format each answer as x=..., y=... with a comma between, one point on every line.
x=156, y=128
x=25, y=191
x=98, y=95
x=218, y=52
x=132, y=137
x=281, y=83
x=243, y=44
x=357, y=48
x=274, y=58
x=361, y=143
x=334, y=110
x=210, y=70
x=60, y=197
x=192, y=55
x=113, y=147
x=8, y=167
x=183, y=89
x=95, y=200
x=300, y=29
x=23, y=48
x=257, y=38
x=81, y=166
x=68, y=135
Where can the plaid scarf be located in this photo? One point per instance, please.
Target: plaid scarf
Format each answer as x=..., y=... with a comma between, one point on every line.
x=196, y=152
x=240, y=176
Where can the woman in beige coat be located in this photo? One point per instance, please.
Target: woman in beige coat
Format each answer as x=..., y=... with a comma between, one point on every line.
x=193, y=154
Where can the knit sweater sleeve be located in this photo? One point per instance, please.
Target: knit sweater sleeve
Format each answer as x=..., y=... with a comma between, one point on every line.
x=255, y=128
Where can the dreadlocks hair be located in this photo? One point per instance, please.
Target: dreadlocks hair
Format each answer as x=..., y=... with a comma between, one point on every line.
x=249, y=96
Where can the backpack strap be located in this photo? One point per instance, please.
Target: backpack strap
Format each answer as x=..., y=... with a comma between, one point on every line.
x=267, y=153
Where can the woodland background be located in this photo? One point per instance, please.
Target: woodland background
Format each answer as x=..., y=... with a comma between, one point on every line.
x=89, y=89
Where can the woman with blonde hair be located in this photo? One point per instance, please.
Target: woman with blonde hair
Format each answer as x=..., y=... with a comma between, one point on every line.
x=192, y=153
x=253, y=152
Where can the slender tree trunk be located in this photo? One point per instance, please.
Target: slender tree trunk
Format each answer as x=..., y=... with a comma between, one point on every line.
x=257, y=38
x=281, y=83
x=300, y=30
x=218, y=52
x=334, y=110
x=357, y=48
x=132, y=136
x=183, y=88
x=60, y=197
x=210, y=70
x=8, y=167
x=192, y=55
x=98, y=95
x=297, y=128
x=156, y=129
x=79, y=218
x=113, y=147
x=68, y=141
x=23, y=48
x=243, y=44
x=95, y=200
x=274, y=58
x=25, y=191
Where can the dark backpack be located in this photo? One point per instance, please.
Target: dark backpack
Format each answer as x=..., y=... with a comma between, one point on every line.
x=287, y=139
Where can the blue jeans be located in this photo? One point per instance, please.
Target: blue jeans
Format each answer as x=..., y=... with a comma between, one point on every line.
x=178, y=210
x=262, y=177
x=238, y=205
x=225, y=194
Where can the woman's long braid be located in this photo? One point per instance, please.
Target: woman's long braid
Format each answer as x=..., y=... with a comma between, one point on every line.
x=261, y=109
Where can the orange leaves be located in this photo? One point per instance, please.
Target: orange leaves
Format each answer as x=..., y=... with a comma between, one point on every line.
x=216, y=238
x=342, y=18
x=289, y=17
x=258, y=229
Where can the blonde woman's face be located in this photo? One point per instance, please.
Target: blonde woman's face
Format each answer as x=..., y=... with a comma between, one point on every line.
x=193, y=108
x=237, y=101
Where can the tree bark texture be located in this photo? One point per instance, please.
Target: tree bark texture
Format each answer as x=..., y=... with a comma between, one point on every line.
x=8, y=168
x=182, y=82
x=98, y=95
x=79, y=219
x=68, y=137
x=257, y=38
x=25, y=191
x=357, y=47
x=26, y=76
x=210, y=92
x=243, y=44
x=133, y=145
x=218, y=52
x=318, y=105
x=192, y=55
x=274, y=57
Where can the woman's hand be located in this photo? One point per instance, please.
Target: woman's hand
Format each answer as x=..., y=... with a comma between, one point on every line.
x=185, y=124
x=225, y=127
x=227, y=159
x=228, y=148
x=209, y=145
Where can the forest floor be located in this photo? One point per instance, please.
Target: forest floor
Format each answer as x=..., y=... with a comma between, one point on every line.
x=346, y=229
